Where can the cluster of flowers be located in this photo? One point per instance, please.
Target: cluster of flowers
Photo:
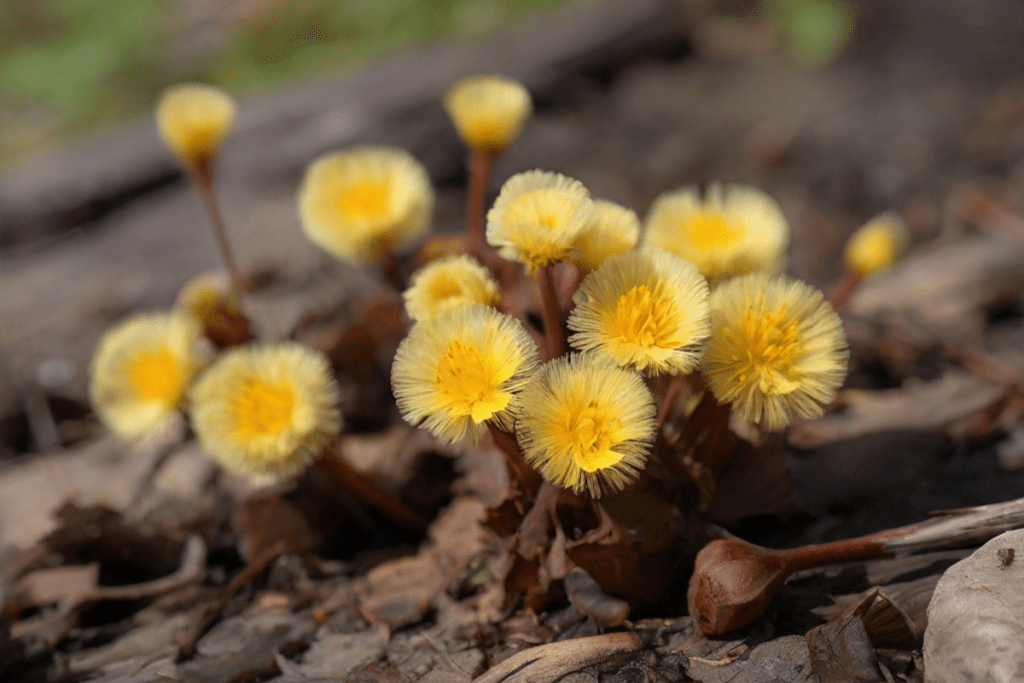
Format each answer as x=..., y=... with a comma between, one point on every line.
x=256, y=407
x=695, y=291
x=770, y=346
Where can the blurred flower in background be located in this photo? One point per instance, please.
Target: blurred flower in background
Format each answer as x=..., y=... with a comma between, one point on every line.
x=70, y=66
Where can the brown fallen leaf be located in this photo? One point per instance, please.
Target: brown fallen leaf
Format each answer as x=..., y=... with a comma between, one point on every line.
x=841, y=649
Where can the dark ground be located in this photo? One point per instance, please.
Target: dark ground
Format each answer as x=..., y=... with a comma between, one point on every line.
x=923, y=114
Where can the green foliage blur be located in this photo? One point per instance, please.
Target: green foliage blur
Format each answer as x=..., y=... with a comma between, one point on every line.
x=818, y=30
x=71, y=66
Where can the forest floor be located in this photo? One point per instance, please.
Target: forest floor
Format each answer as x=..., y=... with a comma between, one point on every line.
x=922, y=114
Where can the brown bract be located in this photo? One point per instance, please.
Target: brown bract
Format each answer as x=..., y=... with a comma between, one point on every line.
x=733, y=582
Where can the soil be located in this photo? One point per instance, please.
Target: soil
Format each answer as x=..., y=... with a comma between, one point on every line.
x=922, y=114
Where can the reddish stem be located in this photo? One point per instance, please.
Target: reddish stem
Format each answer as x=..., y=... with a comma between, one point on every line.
x=334, y=466
x=551, y=312
x=480, y=164
x=845, y=288
x=202, y=177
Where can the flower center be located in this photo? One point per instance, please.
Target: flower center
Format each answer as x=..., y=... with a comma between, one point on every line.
x=445, y=288
x=156, y=375
x=470, y=383
x=589, y=435
x=645, y=318
x=262, y=408
x=773, y=349
x=365, y=198
x=541, y=208
x=709, y=229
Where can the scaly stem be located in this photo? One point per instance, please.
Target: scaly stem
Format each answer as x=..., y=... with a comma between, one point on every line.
x=551, y=312
x=202, y=177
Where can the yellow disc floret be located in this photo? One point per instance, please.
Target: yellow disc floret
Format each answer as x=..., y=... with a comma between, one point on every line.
x=359, y=203
x=730, y=232
x=141, y=370
x=266, y=409
x=586, y=424
x=462, y=368
x=193, y=120
x=537, y=218
x=449, y=283
x=488, y=111
x=777, y=352
x=645, y=309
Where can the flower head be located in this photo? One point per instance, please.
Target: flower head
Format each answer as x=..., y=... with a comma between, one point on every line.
x=876, y=244
x=586, y=423
x=488, y=111
x=449, y=283
x=778, y=350
x=207, y=297
x=266, y=409
x=645, y=309
x=611, y=230
x=462, y=368
x=731, y=232
x=537, y=217
x=193, y=119
x=141, y=370
x=359, y=202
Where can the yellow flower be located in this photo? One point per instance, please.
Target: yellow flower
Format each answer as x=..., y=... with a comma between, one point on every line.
x=537, y=217
x=586, y=424
x=448, y=283
x=462, y=368
x=360, y=202
x=266, y=409
x=141, y=370
x=777, y=352
x=877, y=244
x=732, y=232
x=645, y=309
x=488, y=111
x=611, y=230
x=193, y=120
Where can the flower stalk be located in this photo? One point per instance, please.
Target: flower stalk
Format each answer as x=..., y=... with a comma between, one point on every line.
x=551, y=313
x=202, y=178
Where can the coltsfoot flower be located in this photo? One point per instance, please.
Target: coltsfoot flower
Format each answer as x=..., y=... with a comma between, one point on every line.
x=142, y=369
x=193, y=120
x=778, y=350
x=645, y=309
x=876, y=244
x=266, y=409
x=448, y=283
x=358, y=203
x=462, y=368
x=586, y=424
x=611, y=230
x=731, y=232
x=537, y=217
x=488, y=111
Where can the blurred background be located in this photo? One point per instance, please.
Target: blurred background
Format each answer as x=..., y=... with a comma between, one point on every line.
x=69, y=67
x=72, y=66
